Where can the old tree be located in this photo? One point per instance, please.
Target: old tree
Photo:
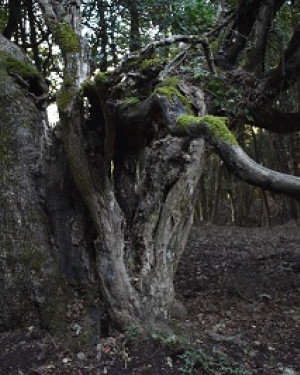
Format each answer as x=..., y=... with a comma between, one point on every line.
x=99, y=208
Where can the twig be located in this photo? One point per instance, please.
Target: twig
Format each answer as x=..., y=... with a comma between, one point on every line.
x=221, y=26
x=172, y=64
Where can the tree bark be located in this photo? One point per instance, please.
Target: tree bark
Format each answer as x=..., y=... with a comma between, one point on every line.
x=47, y=251
x=287, y=72
x=255, y=59
x=119, y=224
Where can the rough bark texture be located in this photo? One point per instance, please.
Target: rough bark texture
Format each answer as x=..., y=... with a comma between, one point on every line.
x=61, y=242
x=255, y=60
x=46, y=239
x=103, y=209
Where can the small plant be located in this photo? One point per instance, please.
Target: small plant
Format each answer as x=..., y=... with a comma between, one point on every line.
x=193, y=357
x=215, y=363
x=169, y=339
x=134, y=332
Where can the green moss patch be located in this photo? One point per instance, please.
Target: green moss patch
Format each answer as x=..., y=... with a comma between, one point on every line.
x=168, y=88
x=9, y=64
x=184, y=121
x=65, y=37
x=129, y=102
x=150, y=63
x=65, y=98
x=87, y=86
x=102, y=78
x=170, y=81
x=217, y=125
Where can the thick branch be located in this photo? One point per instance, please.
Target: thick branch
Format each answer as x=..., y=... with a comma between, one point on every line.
x=215, y=132
x=274, y=120
x=191, y=39
x=255, y=60
x=238, y=35
x=241, y=165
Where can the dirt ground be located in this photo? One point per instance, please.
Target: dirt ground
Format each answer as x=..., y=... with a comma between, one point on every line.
x=241, y=288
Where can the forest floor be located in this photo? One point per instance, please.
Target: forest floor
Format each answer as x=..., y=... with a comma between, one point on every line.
x=241, y=289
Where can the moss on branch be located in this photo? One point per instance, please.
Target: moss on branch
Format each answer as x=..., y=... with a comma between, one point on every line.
x=168, y=88
x=170, y=81
x=65, y=98
x=8, y=64
x=102, y=78
x=130, y=101
x=65, y=37
x=150, y=63
x=217, y=126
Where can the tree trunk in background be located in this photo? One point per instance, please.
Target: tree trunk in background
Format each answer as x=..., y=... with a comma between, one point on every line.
x=217, y=192
x=135, y=37
x=102, y=5
x=255, y=59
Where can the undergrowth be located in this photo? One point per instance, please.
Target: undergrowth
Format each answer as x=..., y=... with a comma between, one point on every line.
x=193, y=358
x=215, y=363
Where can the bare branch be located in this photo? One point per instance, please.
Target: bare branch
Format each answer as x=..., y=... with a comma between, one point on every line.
x=149, y=49
x=243, y=167
x=213, y=34
x=172, y=64
x=274, y=120
x=191, y=39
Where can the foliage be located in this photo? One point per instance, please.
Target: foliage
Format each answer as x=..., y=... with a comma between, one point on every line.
x=223, y=98
x=180, y=17
x=108, y=25
x=134, y=332
x=214, y=363
x=101, y=78
x=146, y=64
x=129, y=102
x=195, y=357
x=169, y=339
x=186, y=16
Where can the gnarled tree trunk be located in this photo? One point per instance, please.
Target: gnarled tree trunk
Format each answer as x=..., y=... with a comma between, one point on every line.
x=46, y=240
x=103, y=211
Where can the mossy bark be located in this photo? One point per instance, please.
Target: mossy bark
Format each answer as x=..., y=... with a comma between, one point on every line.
x=46, y=241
